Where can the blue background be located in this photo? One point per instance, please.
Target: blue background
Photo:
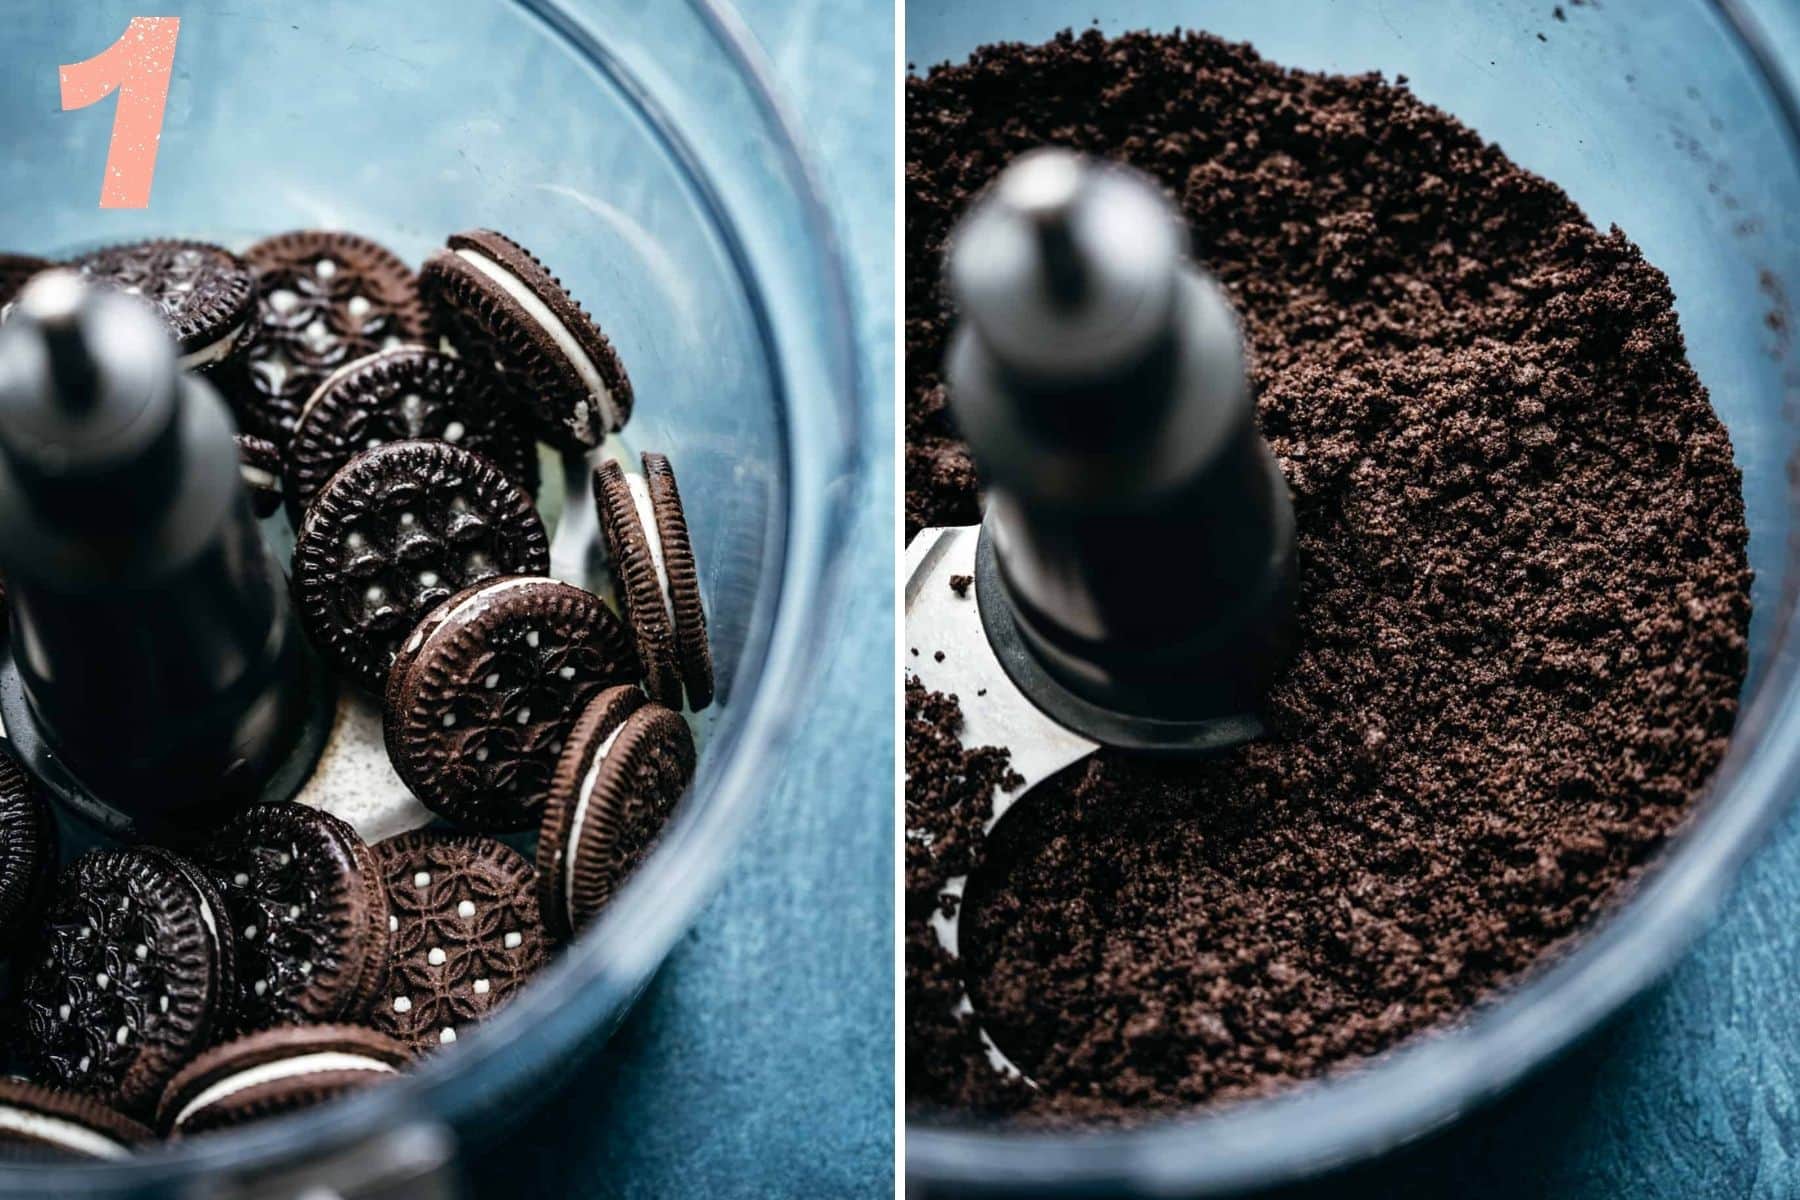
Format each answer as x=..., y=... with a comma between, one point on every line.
x=760, y=1061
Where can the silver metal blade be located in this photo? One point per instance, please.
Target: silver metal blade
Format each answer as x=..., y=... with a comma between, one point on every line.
x=947, y=650
x=994, y=711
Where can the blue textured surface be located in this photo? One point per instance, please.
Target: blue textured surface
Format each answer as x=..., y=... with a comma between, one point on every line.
x=760, y=1062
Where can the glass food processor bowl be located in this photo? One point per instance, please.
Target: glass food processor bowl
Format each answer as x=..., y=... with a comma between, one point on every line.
x=638, y=150
x=1671, y=122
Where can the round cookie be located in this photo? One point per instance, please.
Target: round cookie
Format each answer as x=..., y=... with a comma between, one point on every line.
x=395, y=395
x=131, y=979
x=259, y=462
x=497, y=303
x=28, y=852
x=323, y=299
x=486, y=688
x=15, y=270
x=466, y=933
x=52, y=1123
x=205, y=294
x=627, y=762
x=273, y=1072
x=396, y=532
x=308, y=915
x=653, y=561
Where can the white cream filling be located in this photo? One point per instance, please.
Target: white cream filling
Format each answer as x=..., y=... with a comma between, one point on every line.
x=60, y=1132
x=640, y=497
x=284, y=1068
x=206, y=912
x=581, y=809
x=209, y=354
x=481, y=597
x=256, y=477
x=559, y=333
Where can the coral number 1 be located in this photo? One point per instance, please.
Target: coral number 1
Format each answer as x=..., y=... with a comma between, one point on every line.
x=137, y=66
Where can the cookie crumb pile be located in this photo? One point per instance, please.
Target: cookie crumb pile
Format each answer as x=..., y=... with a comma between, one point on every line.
x=280, y=960
x=1523, y=601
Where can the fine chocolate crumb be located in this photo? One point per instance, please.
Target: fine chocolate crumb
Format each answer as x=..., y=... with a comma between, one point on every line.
x=960, y=584
x=949, y=794
x=1522, y=611
x=944, y=1055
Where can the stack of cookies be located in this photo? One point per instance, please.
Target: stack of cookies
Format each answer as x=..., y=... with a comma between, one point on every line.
x=282, y=960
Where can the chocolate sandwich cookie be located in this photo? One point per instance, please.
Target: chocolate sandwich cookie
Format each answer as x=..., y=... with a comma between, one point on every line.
x=467, y=934
x=38, y=1121
x=15, y=270
x=28, y=850
x=396, y=395
x=322, y=300
x=627, y=762
x=396, y=532
x=308, y=915
x=273, y=1072
x=485, y=690
x=653, y=561
x=205, y=294
x=132, y=978
x=498, y=304
x=259, y=461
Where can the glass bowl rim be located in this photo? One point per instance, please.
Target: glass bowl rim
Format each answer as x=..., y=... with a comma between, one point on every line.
x=669, y=890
